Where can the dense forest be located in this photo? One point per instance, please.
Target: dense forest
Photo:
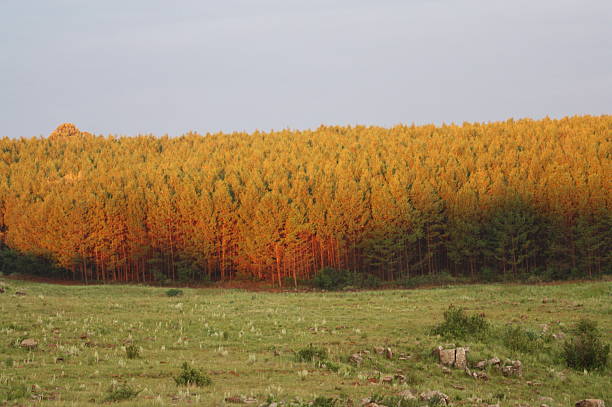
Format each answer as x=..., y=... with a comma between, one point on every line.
x=519, y=197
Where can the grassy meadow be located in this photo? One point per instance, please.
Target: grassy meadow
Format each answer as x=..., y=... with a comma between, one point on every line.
x=246, y=343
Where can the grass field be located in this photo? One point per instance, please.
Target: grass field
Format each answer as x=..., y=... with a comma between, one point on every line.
x=246, y=342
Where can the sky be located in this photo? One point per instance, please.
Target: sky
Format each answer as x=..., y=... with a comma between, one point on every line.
x=169, y=67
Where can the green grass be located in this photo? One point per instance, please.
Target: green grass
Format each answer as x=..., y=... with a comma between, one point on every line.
x=249, y=343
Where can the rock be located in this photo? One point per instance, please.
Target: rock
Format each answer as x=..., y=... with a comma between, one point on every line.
x=234, y=399
x=480, y=376
x=277, y=352
x=544, y=405
x=516, y=369
x=446, y=370
x=481, y=365
x=434, y=395
x=446, y=356
x=356, y=359
x=400, y=378
x=2, y=290
x=460, y=358
x=364, y=401
x=387, y=379
x=494, y=361
x=29, y=343
x=20, y=293
x=388, y=353
x=379, y=350
x=456, y=357
x=590, y=403
x=406, y=395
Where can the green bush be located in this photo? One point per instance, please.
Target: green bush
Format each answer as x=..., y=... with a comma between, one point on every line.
x=310, y=354
x=519, y=339
x=192, y=377
x=458, y=325
x=132, y=352
x=332, y=279
x=174, y=292
x=586, y=350
x=121, y=392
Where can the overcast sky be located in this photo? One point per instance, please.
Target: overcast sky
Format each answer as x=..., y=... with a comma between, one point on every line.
x=147, y=66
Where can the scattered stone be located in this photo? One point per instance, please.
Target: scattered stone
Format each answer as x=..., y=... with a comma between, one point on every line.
x=2, y=290
x=543, y=398
x=590, y=403
x=387, y=380
x=544, y=405
x=84, y=336
x=400, y=378
x=356, y=359
x=446, y=370
x=388, y=353
x=458, y=387
x=494, y=361
x=29, y=343
x=20, y=293
x=277, y=352
x=515, y=369
x=446, y=356
x=481, y=365
x=406, y=395
x=379, y=350
x=434, y=395
x=460, y=358
x=455, y=357
x=234, y=400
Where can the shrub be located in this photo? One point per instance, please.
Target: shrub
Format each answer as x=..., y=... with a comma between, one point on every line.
x=192, y=377
x=332, y=279
x=132, y=352
x=457, y=324
x=519, y=339
x=121, y=392
x=586, y=350
x=174, y=292
x=310, y=354
x=367, y=281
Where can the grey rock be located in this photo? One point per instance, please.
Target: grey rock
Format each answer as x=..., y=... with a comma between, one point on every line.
x=356, y=359
x=29, y=343
x=434, y=394
x=590, y=403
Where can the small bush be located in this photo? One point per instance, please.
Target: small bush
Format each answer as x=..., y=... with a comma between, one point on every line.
x=132, y=352
x=519, y=339
x=367, y=281
x=121, y=392
x=457, y=324
x=174, y=292
x=324, y=402
x=310, y=354
x=586, y=350
x=192, y=377
x=332, y=279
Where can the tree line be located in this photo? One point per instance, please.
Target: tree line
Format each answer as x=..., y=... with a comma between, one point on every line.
x=518, y=197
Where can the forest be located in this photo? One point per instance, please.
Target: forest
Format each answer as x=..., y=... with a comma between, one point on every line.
x=481, y=200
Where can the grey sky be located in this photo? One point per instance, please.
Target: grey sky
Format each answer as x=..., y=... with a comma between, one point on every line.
x=150, y=66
